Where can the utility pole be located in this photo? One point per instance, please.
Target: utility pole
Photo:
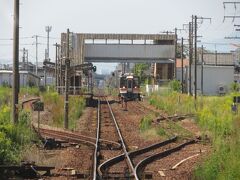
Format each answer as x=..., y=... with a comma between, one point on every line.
x=67, y=65
x=60, y=83
x=36, y=46
x=15, y=85
x=195, y=19
x=182, y=62
x=175, y=61
x=24, y=56
x=190, y=59
x=56, y=63
x=176, y=46
x=27, y=60
x=195, y=53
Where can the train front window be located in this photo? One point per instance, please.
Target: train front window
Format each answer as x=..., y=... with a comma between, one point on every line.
x=122, y=82
x=135, y=82
x=129, y=84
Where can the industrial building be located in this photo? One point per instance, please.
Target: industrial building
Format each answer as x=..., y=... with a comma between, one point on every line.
x=215, y=73
x=26, y=78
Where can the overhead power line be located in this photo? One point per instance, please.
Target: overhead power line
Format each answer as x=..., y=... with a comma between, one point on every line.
x=235, y=14
x=30, y=37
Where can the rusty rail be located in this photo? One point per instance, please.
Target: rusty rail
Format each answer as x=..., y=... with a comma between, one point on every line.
x=140, y=166
x=126, y=153
x=76, y=137
x=97, y=148
x=133, y=154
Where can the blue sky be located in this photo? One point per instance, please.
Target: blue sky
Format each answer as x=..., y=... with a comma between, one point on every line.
x=112, y=16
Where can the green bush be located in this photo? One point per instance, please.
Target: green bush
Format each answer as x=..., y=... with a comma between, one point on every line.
x=13, y=138
x=175, y=85
x=146, y=122
x=234, y=87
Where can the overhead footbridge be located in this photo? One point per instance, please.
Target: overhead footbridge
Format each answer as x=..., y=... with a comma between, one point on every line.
x=120, y=48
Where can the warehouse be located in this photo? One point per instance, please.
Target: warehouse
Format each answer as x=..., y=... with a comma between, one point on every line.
x=26, y=78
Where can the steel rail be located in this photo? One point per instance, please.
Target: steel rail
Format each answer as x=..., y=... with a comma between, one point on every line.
x=68, y=138
x=97, y=144
x=139, y=167
x=132, y=154
x=123, y=143
x=116, y=144
x=173, y=117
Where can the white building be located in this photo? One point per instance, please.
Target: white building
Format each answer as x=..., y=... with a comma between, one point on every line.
x=213, y=80
x=26, y=78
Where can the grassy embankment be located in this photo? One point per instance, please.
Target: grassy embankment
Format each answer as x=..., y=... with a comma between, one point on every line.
x=14, y=139
x=216, y=120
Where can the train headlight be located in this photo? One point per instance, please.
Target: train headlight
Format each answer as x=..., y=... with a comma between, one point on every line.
x=123, y=87
x=135, y=87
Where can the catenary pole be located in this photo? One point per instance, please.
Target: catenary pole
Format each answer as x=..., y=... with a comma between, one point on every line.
x=66, y=102
x=15, y=84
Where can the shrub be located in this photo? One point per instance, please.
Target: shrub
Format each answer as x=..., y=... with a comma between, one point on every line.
x=175, y=85
x=13, y=138
x=234, y=87
x=146, y=122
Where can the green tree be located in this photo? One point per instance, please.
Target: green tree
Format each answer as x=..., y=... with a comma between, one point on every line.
x=139, y=70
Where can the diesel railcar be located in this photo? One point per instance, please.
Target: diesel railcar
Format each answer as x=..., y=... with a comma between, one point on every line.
x=129, y=87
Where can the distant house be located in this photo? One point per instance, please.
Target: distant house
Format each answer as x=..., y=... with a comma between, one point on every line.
x=26, y=78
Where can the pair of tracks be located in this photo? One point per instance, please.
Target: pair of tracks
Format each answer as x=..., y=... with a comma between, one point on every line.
x=134, y=165
x=109, y=141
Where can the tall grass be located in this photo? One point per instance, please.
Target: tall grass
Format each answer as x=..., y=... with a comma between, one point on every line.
x=55, y=103
x=77, y=105
x=172, y=102
x=33, y=91
x=5, y=95
x=216, y=119
x=13, y=138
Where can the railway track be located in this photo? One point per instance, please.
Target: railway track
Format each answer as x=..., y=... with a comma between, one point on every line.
x=136, y=160
x=111, y=156
x=140, y=108
x=108, y=128
x=77, y=138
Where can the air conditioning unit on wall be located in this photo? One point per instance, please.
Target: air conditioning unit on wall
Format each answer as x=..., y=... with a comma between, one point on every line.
x=222, y=89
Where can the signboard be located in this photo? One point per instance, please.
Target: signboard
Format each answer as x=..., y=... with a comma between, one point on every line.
x=38, y=106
